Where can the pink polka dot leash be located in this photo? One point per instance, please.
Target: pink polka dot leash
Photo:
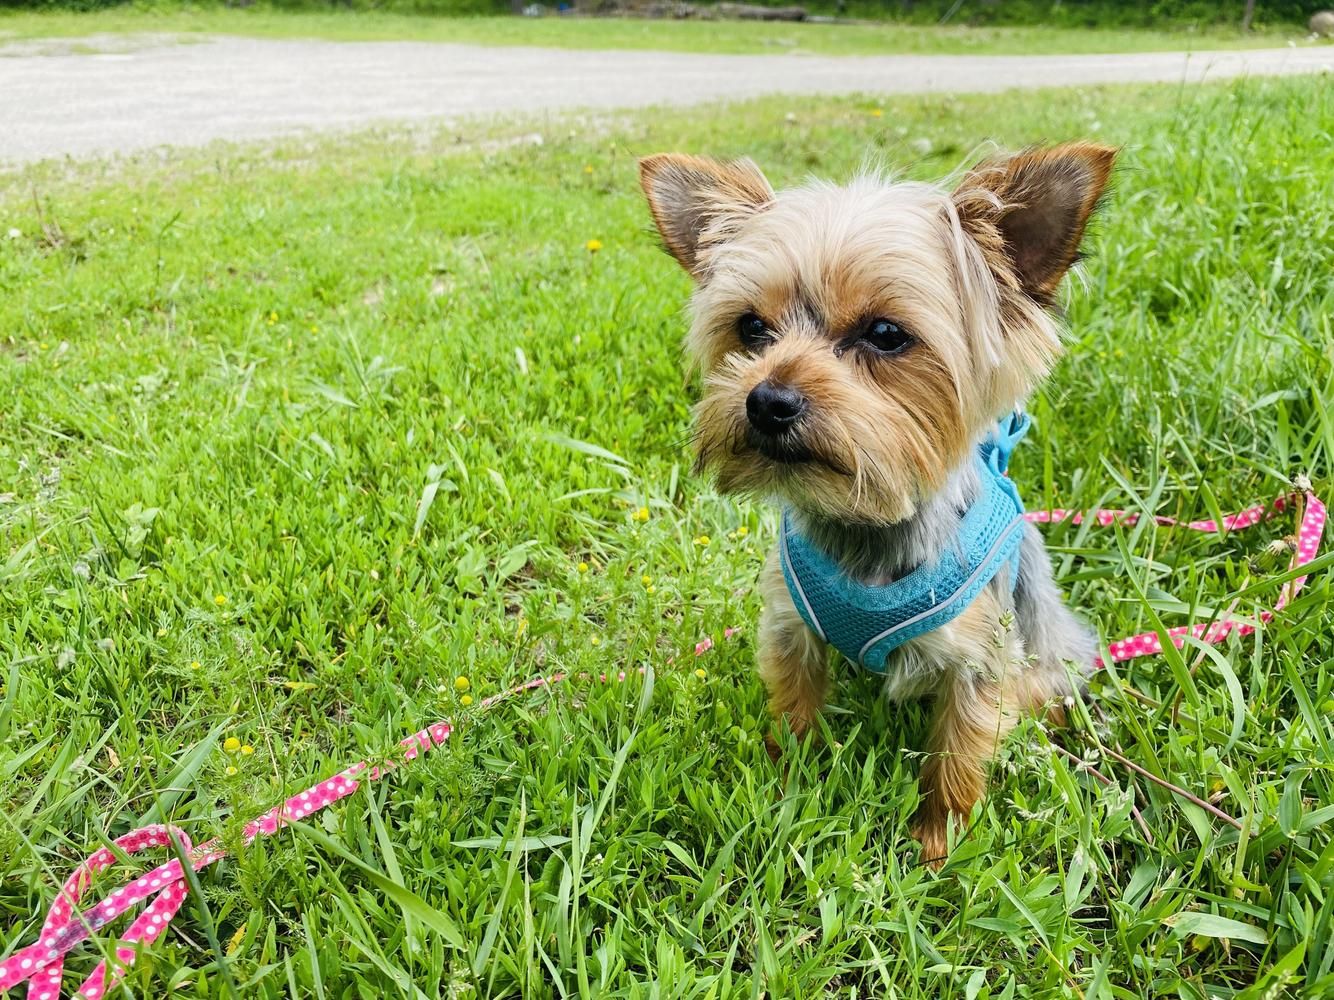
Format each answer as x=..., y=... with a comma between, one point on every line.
x=164, y=888
x=41, y=964
x=1310, y=515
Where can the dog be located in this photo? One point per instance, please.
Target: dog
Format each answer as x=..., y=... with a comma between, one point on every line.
x=866, y=349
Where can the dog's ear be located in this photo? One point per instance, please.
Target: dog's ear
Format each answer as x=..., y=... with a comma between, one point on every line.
x=691, y=195
x=1032, y=209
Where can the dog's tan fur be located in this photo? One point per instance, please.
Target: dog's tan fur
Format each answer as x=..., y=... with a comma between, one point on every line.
x=970, y=273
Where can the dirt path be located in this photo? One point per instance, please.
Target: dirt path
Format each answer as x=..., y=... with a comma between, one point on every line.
x=57, y=103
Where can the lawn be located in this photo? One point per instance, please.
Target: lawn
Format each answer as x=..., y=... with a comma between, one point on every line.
x=295, y=438
x=686, y=36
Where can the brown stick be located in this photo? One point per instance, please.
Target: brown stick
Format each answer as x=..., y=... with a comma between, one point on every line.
x=1174, y=789
x=758, y=12
x=1084, y=765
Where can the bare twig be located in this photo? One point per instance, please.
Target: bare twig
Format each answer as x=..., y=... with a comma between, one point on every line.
x=1140, y=696
x=53, y=236
x=1084, y=765
x=1174, y=789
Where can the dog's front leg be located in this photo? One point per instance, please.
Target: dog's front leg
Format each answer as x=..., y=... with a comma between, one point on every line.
x=793, y=662
x=972, y=716
x=982, y=695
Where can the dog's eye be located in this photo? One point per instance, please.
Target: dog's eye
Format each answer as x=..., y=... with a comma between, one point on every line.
x=886, y=337
x=752, y=330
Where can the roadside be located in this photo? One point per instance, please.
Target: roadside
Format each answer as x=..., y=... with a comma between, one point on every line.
x=242, y=89
x=663, y=35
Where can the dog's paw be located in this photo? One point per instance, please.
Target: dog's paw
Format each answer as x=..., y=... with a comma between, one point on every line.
x=935, y=847
x=930, y=828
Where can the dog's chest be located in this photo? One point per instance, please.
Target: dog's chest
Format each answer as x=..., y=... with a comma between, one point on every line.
x=982, y=640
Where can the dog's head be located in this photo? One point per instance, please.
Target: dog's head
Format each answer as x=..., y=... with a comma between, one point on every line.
x=856, y=341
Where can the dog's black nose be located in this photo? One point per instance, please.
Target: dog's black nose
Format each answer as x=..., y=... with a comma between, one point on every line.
x=773, y=407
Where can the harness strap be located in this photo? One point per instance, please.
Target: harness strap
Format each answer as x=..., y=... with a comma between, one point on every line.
x=868, y=622
x=1009, y=432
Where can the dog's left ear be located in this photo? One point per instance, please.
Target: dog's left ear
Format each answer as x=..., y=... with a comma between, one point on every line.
x=1033, y=207
x=692, y=195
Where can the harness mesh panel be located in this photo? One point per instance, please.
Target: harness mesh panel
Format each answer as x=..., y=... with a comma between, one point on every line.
x=866, y=623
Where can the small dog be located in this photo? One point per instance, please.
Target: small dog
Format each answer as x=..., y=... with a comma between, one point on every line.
x=859, y=345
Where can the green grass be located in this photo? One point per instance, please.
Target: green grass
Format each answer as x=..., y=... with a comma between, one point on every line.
x=686, y=36
x=229, y=381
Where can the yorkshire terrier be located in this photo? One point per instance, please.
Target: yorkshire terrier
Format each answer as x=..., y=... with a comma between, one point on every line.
x=866, y=349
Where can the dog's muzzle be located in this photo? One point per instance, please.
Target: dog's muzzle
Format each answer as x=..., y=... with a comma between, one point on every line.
x=774, y=412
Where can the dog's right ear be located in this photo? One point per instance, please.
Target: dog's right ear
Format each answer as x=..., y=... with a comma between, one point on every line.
x=696, y=201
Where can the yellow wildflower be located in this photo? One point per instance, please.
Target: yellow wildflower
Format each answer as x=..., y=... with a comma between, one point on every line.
x=641, y=515
x=588, y=168
x=593, y=246
x=652, y=589
x=703, y=540
x=877, y=113
x=161, y=632
x=582, y=567
x=236, y=940
x=646, y=579
x=701, y=673
x=462, y=684
x=195, y=664
x=220, y=600
x=595, y=641
x=466, y=700
x=247, y=750
x=231, y=744
x=231, y=771
x=742, y=531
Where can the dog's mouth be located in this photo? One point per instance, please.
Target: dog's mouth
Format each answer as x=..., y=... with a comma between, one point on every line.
x=786, y=449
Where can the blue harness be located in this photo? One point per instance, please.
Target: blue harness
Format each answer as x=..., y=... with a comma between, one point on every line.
x=866, y=623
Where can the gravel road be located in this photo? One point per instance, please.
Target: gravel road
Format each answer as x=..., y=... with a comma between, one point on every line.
x=56, y=101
